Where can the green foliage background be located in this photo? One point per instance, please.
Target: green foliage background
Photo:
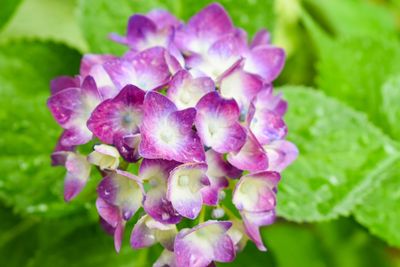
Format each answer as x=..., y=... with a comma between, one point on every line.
x=339, y=204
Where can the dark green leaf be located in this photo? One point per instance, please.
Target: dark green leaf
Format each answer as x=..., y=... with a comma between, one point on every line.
x=7, y=9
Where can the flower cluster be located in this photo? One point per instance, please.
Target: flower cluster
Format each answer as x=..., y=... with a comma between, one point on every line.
x=192, y=106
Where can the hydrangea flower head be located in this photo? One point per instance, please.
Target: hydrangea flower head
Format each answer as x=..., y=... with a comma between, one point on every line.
x=192, y=107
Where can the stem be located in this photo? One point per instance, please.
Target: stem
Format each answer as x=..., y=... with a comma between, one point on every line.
x=228, y=212
x=202, y=214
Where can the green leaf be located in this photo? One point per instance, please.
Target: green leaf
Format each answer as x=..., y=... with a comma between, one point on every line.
x=99, y=18
x=29, y=133
x=353, y=17
x=354, y=69
x=391, y=107
x=8, y=7
x=89, y=246
x=341, y=243
x=46, y=20
x=380, y=211
x=341, y=157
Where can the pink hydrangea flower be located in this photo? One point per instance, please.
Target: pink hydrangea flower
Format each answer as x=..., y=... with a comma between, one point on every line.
x=186, y=115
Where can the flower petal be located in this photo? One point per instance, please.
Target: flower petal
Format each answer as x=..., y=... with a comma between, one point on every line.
x=119, y=116
x=166, y=259
x=184, y=188
x=238, y=235
x=266, y=100
x=71, y=107
x=60, y=152
x=163, y=18
x=256, y=192
x=147, y=70
x=221, y=56
x=251, y=156
x=148, y=232
x=123, y=190
x=218, y=167
x=167, y=133
x=204, y=28
x=185, y=91
x=156, y=172
x=262, y=37
x=78, y=171
x=267, y=126
x=109, y=213
x=281, y=153
x=210, y=193
x=92, y=65
x=217, y=123
x=63, y=82
x=253, y=221
x=205, y=243
x=241, y=86
x=128, y=146
x=266, y=61
x=104, y=156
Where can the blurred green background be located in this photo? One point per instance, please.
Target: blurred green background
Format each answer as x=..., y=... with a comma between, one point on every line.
x=339, y=204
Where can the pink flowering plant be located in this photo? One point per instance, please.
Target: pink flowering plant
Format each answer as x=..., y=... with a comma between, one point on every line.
x=187, y=132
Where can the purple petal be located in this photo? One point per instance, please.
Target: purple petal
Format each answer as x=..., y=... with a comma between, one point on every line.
x=91, y=60
x=256, y=192
x=60, y=152
x=109, y=213
x=111, y=221
x=281, y=153
x=119, y=116
x=93, y=65
x=221, y=56
x=147, y=70
x=156, y=172
x=148, y=232
x=184, y=188
x=118, y=236
x=253, y=221
x=210, y=193
x=266, y=100
x=204, y=28
x=266, y=125
x=167, y=133
x=128, y=146
x=217, y=123
x=185, y=91
x=251, y=156
x=241, y=86
x=71, y=107
x=123, y=190
x=262, y=37
x=218, y=167
x=204, y=243
x=163, y=18
x=158, y=207
x=266, y=61
x=63, y=82
x=78, y=171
